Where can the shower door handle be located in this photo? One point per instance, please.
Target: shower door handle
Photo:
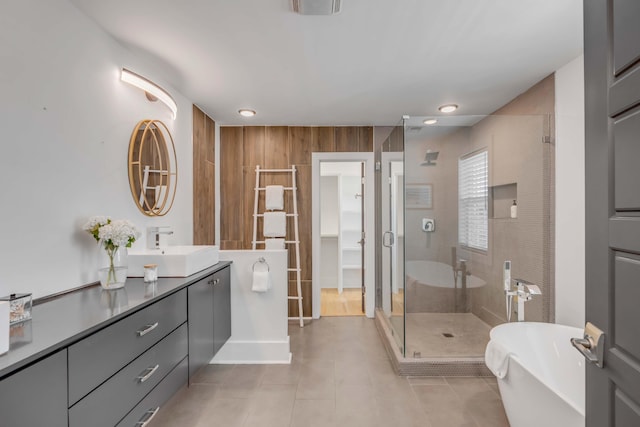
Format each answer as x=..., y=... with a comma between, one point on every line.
x=391, y=239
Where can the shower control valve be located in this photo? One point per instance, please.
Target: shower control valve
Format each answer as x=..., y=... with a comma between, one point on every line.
x=428, y=225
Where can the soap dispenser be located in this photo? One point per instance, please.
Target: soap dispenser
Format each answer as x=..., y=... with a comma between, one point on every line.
x=514, y=210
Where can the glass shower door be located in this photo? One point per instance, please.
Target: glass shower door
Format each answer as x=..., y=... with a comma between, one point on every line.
x=392, y=214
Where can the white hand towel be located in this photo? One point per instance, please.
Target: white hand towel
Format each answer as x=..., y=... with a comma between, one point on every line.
x=274, y=244
x=261, y=281
x=275, y=224
x=274, y=198
x=496, y=357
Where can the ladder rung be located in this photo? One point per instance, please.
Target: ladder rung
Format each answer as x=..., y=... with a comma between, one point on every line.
x=276, y=170
x=298, y=318
x=288, y=242
x=285, y=188
x=293, y=269
x=290, y=297
x=276, y=211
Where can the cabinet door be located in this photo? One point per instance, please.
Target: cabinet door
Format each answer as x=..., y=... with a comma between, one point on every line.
x=37, y=395
x=221, y=308
x=200, y=296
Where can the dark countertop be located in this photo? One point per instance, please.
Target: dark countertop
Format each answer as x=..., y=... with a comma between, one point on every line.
x=62, y=321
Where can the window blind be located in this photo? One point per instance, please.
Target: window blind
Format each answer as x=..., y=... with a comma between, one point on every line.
x=473, y=192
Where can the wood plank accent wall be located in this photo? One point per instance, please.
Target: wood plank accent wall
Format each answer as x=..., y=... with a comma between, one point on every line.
x=242, y=148
x=203, y=178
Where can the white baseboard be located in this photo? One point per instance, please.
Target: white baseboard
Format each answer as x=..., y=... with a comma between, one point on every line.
x=254, y=352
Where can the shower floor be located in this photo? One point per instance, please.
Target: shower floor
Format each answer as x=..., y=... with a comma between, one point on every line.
x=443, y=335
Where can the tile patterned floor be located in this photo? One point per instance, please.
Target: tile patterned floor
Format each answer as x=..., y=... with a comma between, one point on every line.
x=340, y=376
x=426, y=334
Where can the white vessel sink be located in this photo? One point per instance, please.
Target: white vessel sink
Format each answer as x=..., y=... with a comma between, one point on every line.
x=173, y=261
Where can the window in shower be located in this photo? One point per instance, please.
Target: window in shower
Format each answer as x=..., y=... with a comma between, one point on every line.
x=473, y=192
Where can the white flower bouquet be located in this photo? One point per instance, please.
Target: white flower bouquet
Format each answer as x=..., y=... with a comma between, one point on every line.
x=112, y=235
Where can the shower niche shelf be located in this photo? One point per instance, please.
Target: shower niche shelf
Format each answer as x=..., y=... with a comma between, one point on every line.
x=501, y=198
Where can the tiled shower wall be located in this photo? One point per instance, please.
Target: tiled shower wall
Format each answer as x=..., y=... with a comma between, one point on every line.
x=518, y=154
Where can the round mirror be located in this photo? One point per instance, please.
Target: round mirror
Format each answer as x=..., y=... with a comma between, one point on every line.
x=152, y=167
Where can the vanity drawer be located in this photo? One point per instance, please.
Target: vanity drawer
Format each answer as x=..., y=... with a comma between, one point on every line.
x=110, y=402
x=97, y=357
x=151, y=405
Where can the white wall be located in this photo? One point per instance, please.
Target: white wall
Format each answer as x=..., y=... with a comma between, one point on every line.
x=66, y=120
x=570, y=192
x=259, y=321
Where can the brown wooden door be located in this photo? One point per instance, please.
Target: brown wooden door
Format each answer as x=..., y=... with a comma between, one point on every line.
x=612, y=95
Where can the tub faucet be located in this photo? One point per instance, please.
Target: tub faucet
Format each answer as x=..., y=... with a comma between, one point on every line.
x=153, y=236
x=524, y=291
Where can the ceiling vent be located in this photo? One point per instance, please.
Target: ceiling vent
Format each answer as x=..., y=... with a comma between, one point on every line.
x=317, y=7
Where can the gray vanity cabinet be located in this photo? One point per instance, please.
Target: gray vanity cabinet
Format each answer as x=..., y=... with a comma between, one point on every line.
x=122, y=370
x=221, y=308
x=37, y=395
x=200, y=299
x=122, y=363
x=209, y=318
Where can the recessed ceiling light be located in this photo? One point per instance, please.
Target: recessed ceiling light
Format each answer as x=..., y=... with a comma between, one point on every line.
x=246, y=112
x=448, y=108
x=430, y=122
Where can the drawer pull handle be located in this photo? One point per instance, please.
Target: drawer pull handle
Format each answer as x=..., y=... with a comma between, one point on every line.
x=147, y=417
x=147, y=329
x=211, y=282
x=149, y=372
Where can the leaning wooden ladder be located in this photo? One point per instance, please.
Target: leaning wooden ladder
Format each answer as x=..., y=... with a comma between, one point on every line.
x=296, y=239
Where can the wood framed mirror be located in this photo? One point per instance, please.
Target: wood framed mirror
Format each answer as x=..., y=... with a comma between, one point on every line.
x=153, y=169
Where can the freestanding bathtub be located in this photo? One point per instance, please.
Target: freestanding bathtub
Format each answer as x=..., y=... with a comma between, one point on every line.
x=544, y=377
x=437, y=274
x=431, y=288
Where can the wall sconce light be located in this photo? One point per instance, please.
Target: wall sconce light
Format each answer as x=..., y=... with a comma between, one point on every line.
x=152, y=91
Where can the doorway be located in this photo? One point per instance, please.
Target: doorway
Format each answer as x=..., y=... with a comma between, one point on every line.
x=342, y=219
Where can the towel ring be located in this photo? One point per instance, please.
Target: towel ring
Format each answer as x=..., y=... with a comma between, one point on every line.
x=260, y=261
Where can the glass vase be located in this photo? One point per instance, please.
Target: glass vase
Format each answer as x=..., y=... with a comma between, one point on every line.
x=112, y=267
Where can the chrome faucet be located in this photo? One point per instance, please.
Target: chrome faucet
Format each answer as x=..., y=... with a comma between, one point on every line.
x=153, y=236
x=524, y=291
x=460, y=270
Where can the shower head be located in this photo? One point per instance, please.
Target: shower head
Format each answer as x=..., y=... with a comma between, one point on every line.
x=430, y=158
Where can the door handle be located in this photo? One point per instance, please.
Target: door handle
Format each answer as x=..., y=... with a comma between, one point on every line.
x=591, y=345
x=391, y=239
